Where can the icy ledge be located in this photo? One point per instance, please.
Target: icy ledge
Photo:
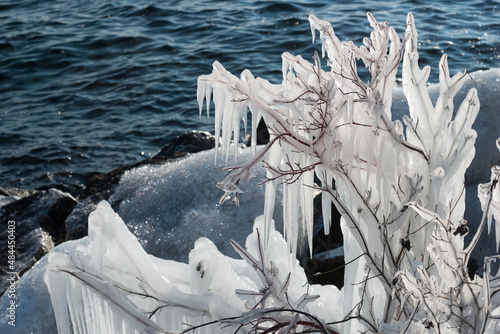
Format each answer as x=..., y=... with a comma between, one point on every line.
x=107, y=283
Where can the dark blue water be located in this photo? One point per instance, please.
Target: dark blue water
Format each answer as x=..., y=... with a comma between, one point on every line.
x=88, y=86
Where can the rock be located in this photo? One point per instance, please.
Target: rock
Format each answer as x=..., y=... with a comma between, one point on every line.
x=102, y=186
x=327, y=267
x=10, y=195
x=76, y=222
x=37, y=224
x=262, y=134
x=327, y=263
x=191, y=142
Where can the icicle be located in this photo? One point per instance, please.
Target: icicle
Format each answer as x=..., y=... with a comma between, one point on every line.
x=308, y=207
x=285, y=67
x=313, y=31
x=273, y=157
x=286, y=212
x=202, y=93
x=326, y=206
x=236, y=128
x=227, y=127
x=219, y=92
x=294, y=206
x=256, y=117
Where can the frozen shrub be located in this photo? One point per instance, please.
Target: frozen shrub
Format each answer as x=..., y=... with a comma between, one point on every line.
x=399, y=185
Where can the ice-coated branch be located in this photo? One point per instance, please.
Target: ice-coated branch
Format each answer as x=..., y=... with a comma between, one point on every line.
x=272, y=308
x=110, y=271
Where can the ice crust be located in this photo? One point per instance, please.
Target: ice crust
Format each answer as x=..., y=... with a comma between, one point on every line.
x=172, y=205
x=34, y=312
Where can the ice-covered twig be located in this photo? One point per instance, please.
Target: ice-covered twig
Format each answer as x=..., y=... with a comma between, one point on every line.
x=273, y=308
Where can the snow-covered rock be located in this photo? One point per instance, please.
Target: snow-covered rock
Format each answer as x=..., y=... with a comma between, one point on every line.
x=169, y=206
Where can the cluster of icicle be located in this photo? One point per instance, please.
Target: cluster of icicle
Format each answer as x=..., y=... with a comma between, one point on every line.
x=399, y=187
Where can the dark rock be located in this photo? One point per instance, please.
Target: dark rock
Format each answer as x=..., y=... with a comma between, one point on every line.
x=327, y=267
x=327, y=263
x=323, y=242
x=472, y=268
x=76, y=223
x=189, y=143
x=262, y=134
x=37, y=223
x=102, y=186
x=10, y=195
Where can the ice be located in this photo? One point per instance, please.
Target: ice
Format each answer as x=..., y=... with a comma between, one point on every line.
x=311, y=113
x=5, y=200
x=107, y=283
x=172, y=205
x=487, y=84
x=103, y=284
x=34, y=312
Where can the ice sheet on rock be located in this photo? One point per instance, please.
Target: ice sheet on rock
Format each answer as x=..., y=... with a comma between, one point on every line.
x=34, y=312
x=168, y=207
x=5, y=200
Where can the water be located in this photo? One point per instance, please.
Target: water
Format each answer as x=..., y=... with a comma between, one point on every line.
x=88, y=86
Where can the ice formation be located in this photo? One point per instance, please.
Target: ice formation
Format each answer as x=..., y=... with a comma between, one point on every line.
x=399, y=184
x=107, y=283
